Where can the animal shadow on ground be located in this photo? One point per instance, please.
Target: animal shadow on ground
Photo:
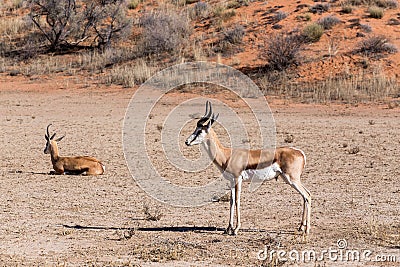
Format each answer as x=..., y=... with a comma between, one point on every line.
x=198, y=229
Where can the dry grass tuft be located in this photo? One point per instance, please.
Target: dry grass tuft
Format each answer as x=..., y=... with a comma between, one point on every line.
x=393, y=104
x=353, y=150
x=162, y=251
x=349, y=89
x=152, y=214
x=13, y=26
x=375, y=12
x=289, y=138
x=383, y=234
x=224, y=198
x=98, y=60
x=131, y=75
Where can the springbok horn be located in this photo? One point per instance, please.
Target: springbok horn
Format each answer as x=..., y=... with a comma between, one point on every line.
x=48, y=134
x=206, y=115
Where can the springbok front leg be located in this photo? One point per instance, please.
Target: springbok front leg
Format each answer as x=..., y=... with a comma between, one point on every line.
x=229, y=229
x=238, y=189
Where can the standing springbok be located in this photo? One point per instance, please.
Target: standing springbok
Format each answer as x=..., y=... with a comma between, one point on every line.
x=238, y=164
x=71, y=165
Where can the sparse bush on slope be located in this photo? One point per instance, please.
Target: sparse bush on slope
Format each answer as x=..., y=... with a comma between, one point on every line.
x=200, y=10
x=328, y=22
x=320, y=8
x=235, y=35
x=164, y=31
x=375, y=45
x=65, y=23
x=283, y=50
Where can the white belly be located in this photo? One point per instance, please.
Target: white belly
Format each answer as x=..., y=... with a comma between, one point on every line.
x=265, y=174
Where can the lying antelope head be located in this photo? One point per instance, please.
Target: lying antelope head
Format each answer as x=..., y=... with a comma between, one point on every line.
x=203, y=127
x=49, y=140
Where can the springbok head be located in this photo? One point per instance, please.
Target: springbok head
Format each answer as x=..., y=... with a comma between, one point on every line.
x=49, y=140
x=203, y=127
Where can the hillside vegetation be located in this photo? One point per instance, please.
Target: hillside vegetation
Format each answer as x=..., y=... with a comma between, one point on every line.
x=317, y=51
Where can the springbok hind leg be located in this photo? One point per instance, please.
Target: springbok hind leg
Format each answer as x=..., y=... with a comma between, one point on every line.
x=238, y=187
x=306, y=224
x=95, y=170
x=299, y=187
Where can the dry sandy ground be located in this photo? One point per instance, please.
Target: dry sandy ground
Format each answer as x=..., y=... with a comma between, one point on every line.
x=78, y=220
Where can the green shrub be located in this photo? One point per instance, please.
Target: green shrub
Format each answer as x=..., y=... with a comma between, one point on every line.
x=375, y=12
x=305, y=17
x=313, y=32
x=133, y=4
x=354, y=2
x=347, y=9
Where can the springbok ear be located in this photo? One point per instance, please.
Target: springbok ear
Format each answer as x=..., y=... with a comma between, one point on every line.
x=59, y=139
x=212, y=120
x=52, y=137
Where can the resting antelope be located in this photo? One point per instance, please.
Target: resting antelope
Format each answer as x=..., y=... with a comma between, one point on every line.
x=238, y=164
x=70, y=165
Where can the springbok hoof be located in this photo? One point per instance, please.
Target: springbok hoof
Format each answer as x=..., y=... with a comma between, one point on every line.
x=302, y=228
x=229, y=231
